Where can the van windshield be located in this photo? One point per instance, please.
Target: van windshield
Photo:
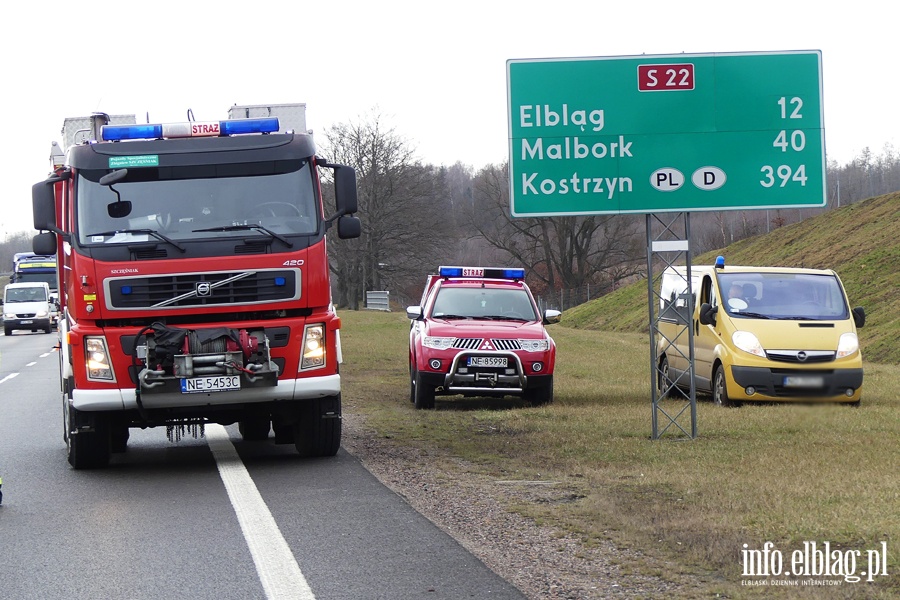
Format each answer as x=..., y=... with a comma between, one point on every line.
x=25, y=294
x=798, y=296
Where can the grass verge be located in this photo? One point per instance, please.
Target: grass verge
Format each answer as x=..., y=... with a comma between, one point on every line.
x=785, y=474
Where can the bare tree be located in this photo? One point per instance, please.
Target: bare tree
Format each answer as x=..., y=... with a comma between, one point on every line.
x=403, y=206
x=559, y=252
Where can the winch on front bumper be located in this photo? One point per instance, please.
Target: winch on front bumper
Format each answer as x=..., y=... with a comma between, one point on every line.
x=204, y=360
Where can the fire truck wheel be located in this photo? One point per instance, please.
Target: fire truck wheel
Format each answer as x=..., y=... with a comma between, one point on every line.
x=423, y=395
x=89, y=449
x=119, y=439
x=542, y=394
x=318, y=429
x=254, y=430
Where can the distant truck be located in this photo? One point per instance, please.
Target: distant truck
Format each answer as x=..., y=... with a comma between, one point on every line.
x=195, y=285
x=30, y=267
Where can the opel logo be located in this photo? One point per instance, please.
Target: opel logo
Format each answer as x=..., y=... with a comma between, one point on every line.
x=203, y=289
x=801, y=356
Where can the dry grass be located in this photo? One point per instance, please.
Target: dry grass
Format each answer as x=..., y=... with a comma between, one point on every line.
x=780, y=473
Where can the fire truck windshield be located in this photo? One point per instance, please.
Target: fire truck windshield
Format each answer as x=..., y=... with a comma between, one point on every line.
x=199, y=202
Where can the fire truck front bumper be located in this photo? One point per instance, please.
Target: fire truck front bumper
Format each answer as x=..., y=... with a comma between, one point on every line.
x=285, y=390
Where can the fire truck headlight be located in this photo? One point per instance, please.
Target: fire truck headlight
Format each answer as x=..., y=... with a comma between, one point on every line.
x=97, y=359
x=313, y=347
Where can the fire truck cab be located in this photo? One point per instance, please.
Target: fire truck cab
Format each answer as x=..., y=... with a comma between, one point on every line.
x=194, y=284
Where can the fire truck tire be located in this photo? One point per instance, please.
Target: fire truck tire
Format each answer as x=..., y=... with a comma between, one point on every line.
x=119, y=440
x=254, y=430
x=89, y=450
x=423, y=394
x=542, y=394
x=318, y=430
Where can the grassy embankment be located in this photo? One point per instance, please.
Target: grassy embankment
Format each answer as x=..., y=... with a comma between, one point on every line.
x=785, y=474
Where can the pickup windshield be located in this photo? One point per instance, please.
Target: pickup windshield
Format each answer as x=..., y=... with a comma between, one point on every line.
x=273, y=199
x=511, y=304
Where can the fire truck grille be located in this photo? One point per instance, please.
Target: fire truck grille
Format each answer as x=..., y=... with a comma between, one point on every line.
x=202, y=289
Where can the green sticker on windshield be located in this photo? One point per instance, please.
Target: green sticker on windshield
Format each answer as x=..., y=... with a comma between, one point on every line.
x=145, y=160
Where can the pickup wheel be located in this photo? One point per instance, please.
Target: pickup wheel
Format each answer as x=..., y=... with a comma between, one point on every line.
x=412, y=384
x=88, y=449
x=254, y=430
x=423, y=394
x=542, y=394
x=318, y=430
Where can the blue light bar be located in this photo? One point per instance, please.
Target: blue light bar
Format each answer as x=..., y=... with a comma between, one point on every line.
x=238, y=126
x=483, y=272
x=720, y=262
x=115, y=133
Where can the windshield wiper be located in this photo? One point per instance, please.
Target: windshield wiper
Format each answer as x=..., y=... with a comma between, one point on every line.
x=247, y=228
x=504, y=318
x=449, y=317
x=751, y=314
x=152, y=232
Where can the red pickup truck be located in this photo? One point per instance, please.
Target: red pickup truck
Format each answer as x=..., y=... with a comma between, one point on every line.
x=479, y=332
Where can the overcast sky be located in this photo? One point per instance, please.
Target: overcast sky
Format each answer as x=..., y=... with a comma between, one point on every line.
x=435, y=70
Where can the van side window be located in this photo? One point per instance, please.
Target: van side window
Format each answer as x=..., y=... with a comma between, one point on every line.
x=706, y=294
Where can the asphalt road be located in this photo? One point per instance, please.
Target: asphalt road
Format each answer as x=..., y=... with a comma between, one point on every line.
x=214, y=517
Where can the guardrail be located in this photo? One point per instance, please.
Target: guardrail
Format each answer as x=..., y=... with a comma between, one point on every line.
x=378, y=300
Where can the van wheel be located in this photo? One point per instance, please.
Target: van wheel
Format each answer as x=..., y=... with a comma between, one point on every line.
x=720, y=389
x=662, y=379
x=7, y=331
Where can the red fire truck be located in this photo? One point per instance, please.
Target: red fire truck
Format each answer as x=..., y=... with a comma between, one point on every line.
x=194, y=283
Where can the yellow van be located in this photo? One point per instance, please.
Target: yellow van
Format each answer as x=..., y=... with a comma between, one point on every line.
x=761, y=334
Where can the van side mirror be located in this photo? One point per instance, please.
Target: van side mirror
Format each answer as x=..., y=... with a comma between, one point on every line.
x=708, y=313
x=859, y=316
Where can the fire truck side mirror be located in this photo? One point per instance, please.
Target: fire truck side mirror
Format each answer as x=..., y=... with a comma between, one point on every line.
x=43, y=206
x=345, y=189
x=349, y=227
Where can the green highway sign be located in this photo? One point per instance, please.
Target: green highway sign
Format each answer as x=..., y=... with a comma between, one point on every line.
x=657, y=133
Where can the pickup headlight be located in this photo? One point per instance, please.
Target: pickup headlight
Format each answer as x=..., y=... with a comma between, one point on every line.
x=438, y=343
x=96, y=359
x=313, y=347
x=534, y=345
x=847, y=345
x=748, y=342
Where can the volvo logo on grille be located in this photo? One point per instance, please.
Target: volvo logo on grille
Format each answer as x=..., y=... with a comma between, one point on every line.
x=801, y=356
x=203, y=288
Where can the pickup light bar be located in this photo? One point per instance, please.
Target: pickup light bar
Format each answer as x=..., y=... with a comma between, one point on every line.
x=116, y=133
x=483, y=272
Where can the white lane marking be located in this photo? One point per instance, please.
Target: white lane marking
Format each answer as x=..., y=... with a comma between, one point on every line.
x=45, y=355
x=31, y=364
x=278, y=569
x=8, y=377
